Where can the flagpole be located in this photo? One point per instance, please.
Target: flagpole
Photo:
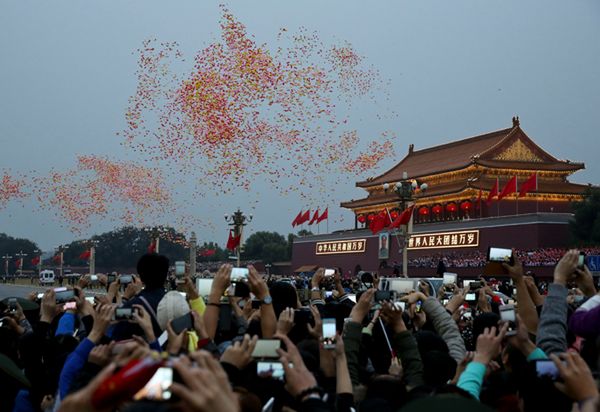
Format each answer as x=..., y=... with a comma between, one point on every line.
x=516, y=193
x=397, y=235
x=499, y=200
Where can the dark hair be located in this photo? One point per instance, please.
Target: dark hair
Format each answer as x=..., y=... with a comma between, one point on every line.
x=153, y=270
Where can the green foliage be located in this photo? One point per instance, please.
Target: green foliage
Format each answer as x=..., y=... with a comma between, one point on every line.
x=11, y=246
x=266, y=246
x=220, y=253
x=585, y=227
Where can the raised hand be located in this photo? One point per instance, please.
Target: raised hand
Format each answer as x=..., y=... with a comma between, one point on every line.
x=175, y=341
x=489, y=344
x=579, y=384
x=392, y=315
x=143, y=319
x=565, y=269
x=48, y=308
x=257, y=284
x=317, y=330
x=240, y=353
x=104, y=315
x=298, y=378
x=220, y=283
x=285, y=323
x=317, y=278
x=362, y=307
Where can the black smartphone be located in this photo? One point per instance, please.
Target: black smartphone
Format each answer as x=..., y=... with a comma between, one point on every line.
x=12, y=305
x=256, y=304
x=303, y=316
x=185, y=322
x=111, y=278
x=122, y=314
x=382, y=295
x=65, y=296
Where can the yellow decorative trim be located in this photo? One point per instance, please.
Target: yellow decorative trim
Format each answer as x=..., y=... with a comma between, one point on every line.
x=518, y=151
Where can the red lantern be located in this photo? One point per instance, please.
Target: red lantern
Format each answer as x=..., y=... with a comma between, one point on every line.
x=451, y=207
x=382, y=214
x=466, y=206
x=394, y=214
x=371, y=217
x=362, y=218
x=437, y=209
x=423, y=210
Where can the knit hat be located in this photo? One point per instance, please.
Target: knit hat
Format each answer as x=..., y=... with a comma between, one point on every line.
x=171, y=306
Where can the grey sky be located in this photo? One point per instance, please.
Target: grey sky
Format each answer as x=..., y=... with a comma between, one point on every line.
x=457, y=68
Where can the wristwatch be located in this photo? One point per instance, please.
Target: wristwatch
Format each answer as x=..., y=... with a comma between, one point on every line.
x=267, y=300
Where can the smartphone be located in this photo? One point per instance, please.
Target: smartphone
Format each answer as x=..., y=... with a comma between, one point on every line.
x=581, y=262
x=12, y=304
x=419, y=306
x=266, y=348
x=70, y=306
x=179, y=268
x=546, y=368
x=158, y=388
x=382, y=295
x=61, y=289
x=273, y=370
x=507, y=314
x=185, y=322
x=111, y=278
x=123, y=314
x=256, y=304
x=497, y=254
x=328, y=333
x=450, y=278
x=467, y=315
x=40, y=295
x=475, y=284
x=328, y=294
x=329, y=272
x=400, y=305
x=445, y=302
x=352, y=297
x=402, y=286
x=91, y=299
x=93, y=278
x=65, y=296
x=471, y=297
x=239, y=274
x=203, y=286
x=125, y=279
x=302, y=316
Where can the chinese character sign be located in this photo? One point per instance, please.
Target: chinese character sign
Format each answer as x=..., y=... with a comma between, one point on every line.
x=467, y=238
x=343, y=246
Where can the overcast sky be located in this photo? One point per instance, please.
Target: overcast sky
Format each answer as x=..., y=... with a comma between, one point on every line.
x=457, y=68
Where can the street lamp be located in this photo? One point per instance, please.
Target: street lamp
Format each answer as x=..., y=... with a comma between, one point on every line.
x=6, y=258
x=237, y=221
x=61, y=251
x=405, y=190
x=193, y=242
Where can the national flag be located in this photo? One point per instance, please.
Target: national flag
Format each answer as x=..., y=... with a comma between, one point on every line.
x=297, y=219
x=509, y=188
x=56, y=258
x=381, y=221
x=233, y=241
x=208, y=252
x=18, y=262
x=304, y=218
x=403, y=218
x=314, y=218
x=35, y=261
x=324, y=216
x=85, y=255
x=152, y=247
x=493, y=193
x=530, y=184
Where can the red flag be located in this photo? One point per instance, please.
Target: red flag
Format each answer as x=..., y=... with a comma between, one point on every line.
x=85, y=255
x=324, y=216
x=529, y=185
x=304, y=218
x=314, y=218
x=381, y=221
x=35, y=261
x=233, y=241
x=510, y=188
x=56, y=258
x=403, y=218
x=298, y=217
x=152, y=247
x=18, y=262
x=493, y=193
x=208, y=252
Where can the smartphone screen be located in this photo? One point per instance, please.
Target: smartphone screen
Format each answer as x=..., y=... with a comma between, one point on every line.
x=581, y=262
x=125, y=279
x=111, y=278
x=450, y=278
x=507, y=314
x=496, y=254
x=123, y=313
x=203, y=286
x=40, y=295
x=545, y=368
x=418, y=306
x=158, y=388
x=93, y=278
x=273, y=370
x=400, y=305
x=471, y=297
x=239, y=274
x=70, y=306
x=90, y=299
x=64, y=296
x=328, y=332
x=329, y=272
x=266, y=348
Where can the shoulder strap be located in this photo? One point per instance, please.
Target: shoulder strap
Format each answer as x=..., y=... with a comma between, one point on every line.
x=148, y=308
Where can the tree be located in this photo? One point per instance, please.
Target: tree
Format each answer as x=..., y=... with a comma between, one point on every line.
x=585, y=226
x=11, y=246
x=266, y=246
x=219, y=254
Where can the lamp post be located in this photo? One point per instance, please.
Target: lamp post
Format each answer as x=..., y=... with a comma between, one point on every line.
x=193, y=252
x=6, y=259
x=155, y=235
x=20, y=255
x=92, y=245
x=237, y=221
x=61, y=251
x=405, y=189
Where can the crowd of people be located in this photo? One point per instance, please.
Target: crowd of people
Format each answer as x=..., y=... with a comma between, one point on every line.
x=531, y=258
x=255, y=344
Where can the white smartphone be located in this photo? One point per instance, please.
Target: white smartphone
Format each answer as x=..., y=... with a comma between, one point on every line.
x=507, y=314
x=266, y=348
x=328, y=333
x=239, y=274
x=450, y=278
x=329, y=272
